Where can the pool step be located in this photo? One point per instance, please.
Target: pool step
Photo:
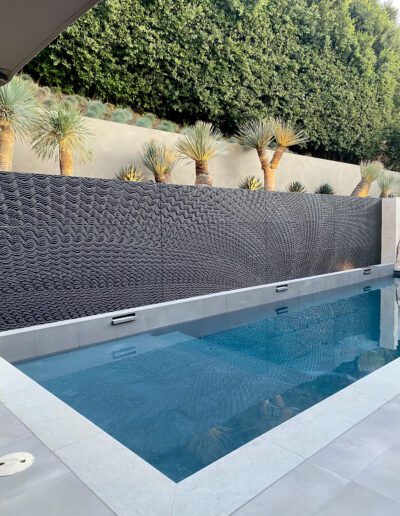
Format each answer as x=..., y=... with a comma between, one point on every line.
x=177, y=337
x=94, y=356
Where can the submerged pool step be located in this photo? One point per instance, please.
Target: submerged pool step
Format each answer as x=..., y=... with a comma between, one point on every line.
x=177, y=337
x=101, y=354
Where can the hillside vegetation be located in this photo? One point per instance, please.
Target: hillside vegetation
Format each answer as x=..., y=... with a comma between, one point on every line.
x=333, y=67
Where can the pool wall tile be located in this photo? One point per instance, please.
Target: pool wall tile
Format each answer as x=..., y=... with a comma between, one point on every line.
x=54, y=339
x=18, y=345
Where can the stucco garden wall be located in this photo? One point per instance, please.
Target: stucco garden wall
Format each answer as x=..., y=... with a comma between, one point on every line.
x=115, y=145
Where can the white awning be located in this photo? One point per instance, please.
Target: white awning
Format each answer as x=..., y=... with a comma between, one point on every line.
x=28, y=26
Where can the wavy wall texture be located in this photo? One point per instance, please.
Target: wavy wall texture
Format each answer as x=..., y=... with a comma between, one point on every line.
x=72, y=247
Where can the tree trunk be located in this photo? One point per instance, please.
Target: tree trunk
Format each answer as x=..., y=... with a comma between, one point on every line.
x=66, y=160
x=384, y=195
x=277, y=157
x=165, y=179
x=203, y=178
x=361, y=190
x=269, y=175
x=6, y=148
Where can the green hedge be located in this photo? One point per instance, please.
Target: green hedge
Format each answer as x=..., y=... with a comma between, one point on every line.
x=331, y=66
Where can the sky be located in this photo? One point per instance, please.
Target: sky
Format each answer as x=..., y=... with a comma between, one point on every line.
x=396, y=3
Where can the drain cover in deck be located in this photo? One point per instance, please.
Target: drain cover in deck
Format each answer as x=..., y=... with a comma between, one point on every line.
x=15, y=463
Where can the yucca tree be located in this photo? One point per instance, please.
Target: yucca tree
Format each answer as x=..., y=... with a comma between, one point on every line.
x=258, y=134
x=130, y=173
x=370, y=172
x=19, y=112
x=160, y=160
x=250, y=183
x=296, y=187
x=63, y=132
x=201, y=143
x=286, y=135
x=389, y=185
x=325, y=189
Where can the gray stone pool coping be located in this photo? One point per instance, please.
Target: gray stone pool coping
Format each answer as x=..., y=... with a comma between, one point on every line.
x=130, y=486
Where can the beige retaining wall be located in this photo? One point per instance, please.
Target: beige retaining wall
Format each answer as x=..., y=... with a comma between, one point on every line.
x=117, y=144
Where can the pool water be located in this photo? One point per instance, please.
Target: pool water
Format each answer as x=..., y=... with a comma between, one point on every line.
x=183, y=397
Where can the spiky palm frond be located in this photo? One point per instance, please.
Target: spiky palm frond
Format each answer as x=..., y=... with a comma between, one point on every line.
x=159, y=159
x=296, y=186
x=257, y=134
x=389, y=184
x=250, y=183
x=371, y=170
x=212, y=443
x=130, y=173
x=200, y=142
x=325, y=189
x=62, y=124
x=287, y=134
x=19, y=108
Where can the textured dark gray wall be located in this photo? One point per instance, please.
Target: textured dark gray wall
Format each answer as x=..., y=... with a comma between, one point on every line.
x=71, y=247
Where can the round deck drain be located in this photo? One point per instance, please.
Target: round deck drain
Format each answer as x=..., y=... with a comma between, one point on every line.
x=14, y=463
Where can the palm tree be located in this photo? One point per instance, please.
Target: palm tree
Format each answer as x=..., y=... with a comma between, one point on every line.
x=250, y=183
x=370, y=172
x=296, y=187
x=130, y=173
x=19, y=113
x=63, y=132
x=201, y=143
x=258, y=134
x=286, y=135
x=389, y=185
x=160, y=160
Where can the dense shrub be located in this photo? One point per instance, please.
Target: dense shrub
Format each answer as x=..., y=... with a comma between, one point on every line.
x=121, y=115
x=145, y=121
x=167, y=125
x=96, y=109
x=331, y=67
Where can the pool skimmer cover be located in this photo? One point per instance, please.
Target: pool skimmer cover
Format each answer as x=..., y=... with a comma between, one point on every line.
x=14, y=463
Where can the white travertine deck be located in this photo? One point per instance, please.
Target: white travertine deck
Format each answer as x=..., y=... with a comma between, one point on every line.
x=358, y=473
x=48, y=487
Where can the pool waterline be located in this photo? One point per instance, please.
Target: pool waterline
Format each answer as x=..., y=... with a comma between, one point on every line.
x=183, y=401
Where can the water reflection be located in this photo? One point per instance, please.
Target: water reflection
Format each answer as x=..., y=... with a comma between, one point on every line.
x=182, y=402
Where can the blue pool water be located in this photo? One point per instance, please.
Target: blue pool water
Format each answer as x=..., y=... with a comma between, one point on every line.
x=183, y=397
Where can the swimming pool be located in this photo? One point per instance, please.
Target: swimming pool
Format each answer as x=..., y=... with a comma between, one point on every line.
x=185, y=396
